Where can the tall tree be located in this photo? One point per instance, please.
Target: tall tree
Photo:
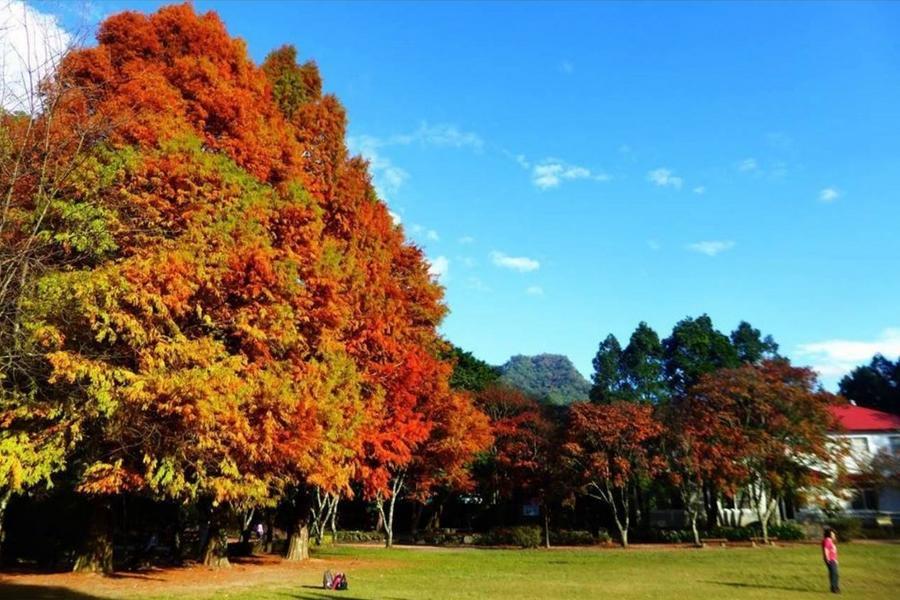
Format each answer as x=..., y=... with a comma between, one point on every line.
x=643, y=366
x=772, y=421
x=751, y=346
x=469, y=372
x=608, y=381
x=610, y=448
x=693, y=349
x=876, y=385
x=523, y=460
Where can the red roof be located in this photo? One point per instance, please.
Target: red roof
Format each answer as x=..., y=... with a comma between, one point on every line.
x=857, y=418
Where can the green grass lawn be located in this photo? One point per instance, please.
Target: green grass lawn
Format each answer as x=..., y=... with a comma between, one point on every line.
x=867, y=571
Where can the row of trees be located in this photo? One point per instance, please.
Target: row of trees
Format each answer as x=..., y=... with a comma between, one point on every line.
x=204, y=304
x=202, y=299
x=700, y=415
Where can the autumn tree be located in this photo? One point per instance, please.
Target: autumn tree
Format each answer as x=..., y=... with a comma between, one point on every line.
x=609, y=448
x=523, y=458
x=764, y=427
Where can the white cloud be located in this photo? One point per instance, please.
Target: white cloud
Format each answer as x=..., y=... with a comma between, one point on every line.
x=442, y=134
x=832, y=358
x=516, y=263
x=535, y=290
x=700, y=189
x=31, y=44
x=712, y=247
x=439, y=268
x=550, y=172
x=432, y=235
x=395, y=217
x=653, y=244
x=523, y=162
x=566, y=67
x=747, y=165
x=466, y=239
x=663, y=177
x=468, y=261
x=386, y=176
x=829, y=194
x=416, y=228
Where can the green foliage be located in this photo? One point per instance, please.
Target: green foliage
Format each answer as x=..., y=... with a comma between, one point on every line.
x=551, y=378
x=359, y=537
x=80, y=228
x=523, y=536
x=847, y=528
x=607, y=377
x=635, y=374
x=470, y=373
x=750, y=346
x=787, y=532
x=876, y=385
x=571, y=537
x=694, y=349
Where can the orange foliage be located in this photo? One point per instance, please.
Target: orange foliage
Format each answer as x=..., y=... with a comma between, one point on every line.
x=269, y=322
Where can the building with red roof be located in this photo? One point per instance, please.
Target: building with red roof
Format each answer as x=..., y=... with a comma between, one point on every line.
x=869, y=433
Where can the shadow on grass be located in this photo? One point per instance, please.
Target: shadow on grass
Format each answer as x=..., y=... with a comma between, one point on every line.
x=762, y=586
x=16, y=591
x=320, y=595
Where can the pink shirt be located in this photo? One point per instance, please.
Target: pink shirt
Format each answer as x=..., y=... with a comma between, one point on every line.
x=830, y=550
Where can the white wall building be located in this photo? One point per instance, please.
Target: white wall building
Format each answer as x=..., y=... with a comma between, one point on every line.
x=868, y=432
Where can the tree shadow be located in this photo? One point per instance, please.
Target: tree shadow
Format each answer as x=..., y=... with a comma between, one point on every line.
x=17, y=591
x=762, y=586
x=320, y=594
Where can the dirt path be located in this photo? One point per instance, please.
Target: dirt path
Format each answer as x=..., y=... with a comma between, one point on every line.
x=256, y=571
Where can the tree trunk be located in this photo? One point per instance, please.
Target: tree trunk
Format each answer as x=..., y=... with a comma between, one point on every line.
x=298, y=542
x=693, y=516
x=387, y=518
x=623, y=531
x=215, y=547
x=96, y=554
x=270, y=532
x=418, y=509
x=389, y=522
x=546, y=527
x=332, y=519
x=247, y=526
x=298, y=538
x=4, y=502
x=712, y=510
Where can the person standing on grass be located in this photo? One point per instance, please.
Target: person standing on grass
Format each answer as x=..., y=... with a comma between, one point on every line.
x=829, y=554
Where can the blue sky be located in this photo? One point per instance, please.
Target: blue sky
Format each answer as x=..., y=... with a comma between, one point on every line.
x=573, y=169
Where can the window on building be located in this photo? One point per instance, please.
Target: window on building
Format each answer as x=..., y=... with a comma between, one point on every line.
x=895, y=445
x=859, y=446
x=864, y=499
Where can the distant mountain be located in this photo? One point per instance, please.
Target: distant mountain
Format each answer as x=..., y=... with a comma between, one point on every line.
x=550, y=377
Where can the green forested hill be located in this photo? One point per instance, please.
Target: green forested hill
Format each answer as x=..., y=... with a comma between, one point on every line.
x=550, y=377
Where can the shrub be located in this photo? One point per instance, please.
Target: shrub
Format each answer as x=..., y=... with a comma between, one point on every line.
x=360, y=536
x=566, y=537
x=732, y=534
x=523, y=537
x=787, y=532
x=847, y=528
